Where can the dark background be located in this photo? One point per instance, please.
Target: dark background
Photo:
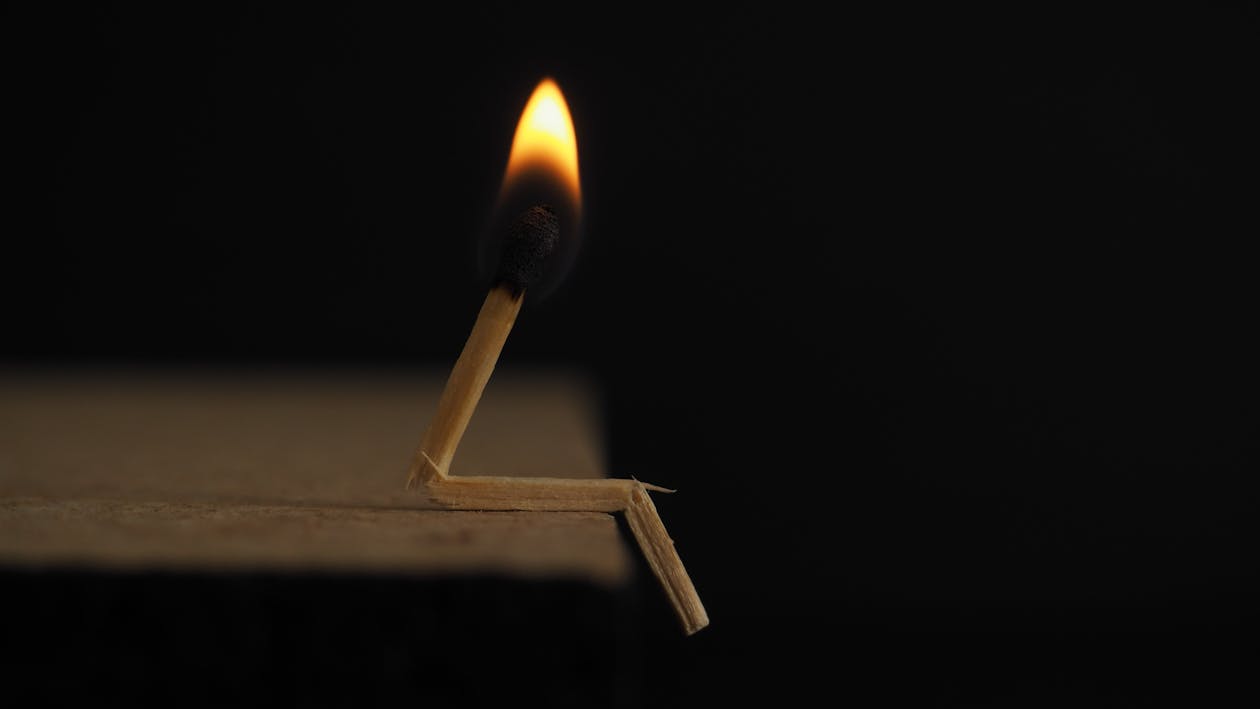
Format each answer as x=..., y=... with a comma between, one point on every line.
x=941, y=323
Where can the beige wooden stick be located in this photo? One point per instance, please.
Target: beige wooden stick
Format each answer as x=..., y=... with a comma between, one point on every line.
x=486, y=492
x=645, y=523
x=477, y=492
x=468, y=379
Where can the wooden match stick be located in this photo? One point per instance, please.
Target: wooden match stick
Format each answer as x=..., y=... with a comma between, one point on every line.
x=530, y=241
x=647, y=527
x=486, y=492
x=468, y=379
x=527, y=247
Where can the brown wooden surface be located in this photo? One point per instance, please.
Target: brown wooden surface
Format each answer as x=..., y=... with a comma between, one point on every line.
x=288, y=471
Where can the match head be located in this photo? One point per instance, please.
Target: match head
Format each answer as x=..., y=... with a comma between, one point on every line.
x=527, y=246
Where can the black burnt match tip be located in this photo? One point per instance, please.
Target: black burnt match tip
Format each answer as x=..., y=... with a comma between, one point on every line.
x=528, y=244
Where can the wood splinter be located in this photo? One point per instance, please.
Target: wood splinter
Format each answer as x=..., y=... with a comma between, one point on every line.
x=526, y=248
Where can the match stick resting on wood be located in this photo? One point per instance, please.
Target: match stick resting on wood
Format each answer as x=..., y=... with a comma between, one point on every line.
x=530, y=241
x=526, y=249
x=486, y=492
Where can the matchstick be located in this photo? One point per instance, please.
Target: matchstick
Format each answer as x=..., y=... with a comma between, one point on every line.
x=647, y=527
x=530, y=241
x=468, y=379
x=486, y=492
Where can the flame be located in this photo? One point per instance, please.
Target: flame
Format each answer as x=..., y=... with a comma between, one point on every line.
x=545, y=141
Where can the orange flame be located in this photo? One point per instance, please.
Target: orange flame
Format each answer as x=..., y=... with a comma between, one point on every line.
x=545, y=140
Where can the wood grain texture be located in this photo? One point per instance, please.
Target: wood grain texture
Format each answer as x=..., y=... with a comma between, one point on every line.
x=208, y=537
x=341, y=439
x=304, y=471
x=216, y=470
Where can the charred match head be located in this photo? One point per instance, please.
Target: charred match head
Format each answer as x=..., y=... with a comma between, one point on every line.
x=527, y=247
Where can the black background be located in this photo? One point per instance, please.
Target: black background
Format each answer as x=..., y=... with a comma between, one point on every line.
x=942, y=323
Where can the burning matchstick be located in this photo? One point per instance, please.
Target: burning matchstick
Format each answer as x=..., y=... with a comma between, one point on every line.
x=531, y=241
x=544, y=145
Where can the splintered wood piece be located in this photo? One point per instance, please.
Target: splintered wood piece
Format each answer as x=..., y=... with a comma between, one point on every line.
x=645, y=523
x=478, y=492
x=475, y=492
x=537, y=494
